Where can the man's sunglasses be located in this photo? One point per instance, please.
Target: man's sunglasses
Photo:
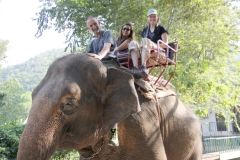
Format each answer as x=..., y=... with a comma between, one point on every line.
x=126, y=29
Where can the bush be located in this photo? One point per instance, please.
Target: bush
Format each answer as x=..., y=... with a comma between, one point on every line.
x=63, y=154
x=9, y=141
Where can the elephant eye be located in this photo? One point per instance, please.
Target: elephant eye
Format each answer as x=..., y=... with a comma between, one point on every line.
x=69, y=105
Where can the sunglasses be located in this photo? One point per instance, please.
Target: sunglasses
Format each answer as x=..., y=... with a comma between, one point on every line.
x=127, y=29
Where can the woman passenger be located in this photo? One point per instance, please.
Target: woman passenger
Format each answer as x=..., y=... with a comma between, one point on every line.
x=150, y=35
x=126, y=35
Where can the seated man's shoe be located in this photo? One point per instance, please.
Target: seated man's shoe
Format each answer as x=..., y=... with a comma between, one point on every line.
x=143, y=71
x=135, y=72
x=113, y=137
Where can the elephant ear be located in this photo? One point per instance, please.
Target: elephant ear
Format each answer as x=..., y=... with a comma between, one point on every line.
x=120, y=99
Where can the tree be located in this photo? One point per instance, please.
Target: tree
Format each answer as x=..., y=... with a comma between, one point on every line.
x=11, y=98
x=206, y=76
x=206, y=31
x=70, y=16
x=9, y=140
x=13, y=102
x=30, y=73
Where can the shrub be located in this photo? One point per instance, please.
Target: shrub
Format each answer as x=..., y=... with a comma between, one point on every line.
x=9, y=141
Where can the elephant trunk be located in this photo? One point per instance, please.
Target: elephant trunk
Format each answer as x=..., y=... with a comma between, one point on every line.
x=30, y=149
x=34, y=146
x=40, y=137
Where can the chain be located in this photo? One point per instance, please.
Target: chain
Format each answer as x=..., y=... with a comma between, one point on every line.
x=94, y=154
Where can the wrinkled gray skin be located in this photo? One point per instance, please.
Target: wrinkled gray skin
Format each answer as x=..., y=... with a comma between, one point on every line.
x=78, y=102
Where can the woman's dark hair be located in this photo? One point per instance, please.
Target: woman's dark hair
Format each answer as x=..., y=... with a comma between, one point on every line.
x=131, y=35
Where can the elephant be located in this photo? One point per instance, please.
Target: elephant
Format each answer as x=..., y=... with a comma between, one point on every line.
x=78, y=102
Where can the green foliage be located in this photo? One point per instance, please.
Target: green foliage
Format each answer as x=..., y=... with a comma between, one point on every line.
x=11, y=102
x=30, y=73
x=2, y=95
x=196, y=20
x=201, y=111
x=63, y=154
x=211, y=84
x=9, y=140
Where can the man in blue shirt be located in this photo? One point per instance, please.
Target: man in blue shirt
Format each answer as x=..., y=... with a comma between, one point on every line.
x=104, y=45
x=103, y=48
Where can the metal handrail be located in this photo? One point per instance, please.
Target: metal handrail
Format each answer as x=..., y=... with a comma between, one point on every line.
x=221, y=144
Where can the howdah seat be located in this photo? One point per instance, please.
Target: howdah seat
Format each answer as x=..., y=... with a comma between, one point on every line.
x=159, y=58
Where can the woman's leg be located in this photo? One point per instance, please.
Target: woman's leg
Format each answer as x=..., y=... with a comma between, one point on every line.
x=146, y=47
x=134, y=57
x=134, y=52
x=144, y=56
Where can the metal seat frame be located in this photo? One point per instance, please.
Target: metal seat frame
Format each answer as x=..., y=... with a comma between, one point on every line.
x=157, y=59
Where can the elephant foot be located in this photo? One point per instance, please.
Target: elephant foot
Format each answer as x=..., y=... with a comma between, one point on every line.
x=113, y=137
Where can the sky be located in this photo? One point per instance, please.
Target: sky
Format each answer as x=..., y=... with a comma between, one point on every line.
x=17, y=26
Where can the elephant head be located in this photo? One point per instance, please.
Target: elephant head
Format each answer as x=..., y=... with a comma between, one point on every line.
x=75, y=105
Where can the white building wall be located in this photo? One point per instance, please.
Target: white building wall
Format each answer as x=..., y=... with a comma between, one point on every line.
x=209, y=127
